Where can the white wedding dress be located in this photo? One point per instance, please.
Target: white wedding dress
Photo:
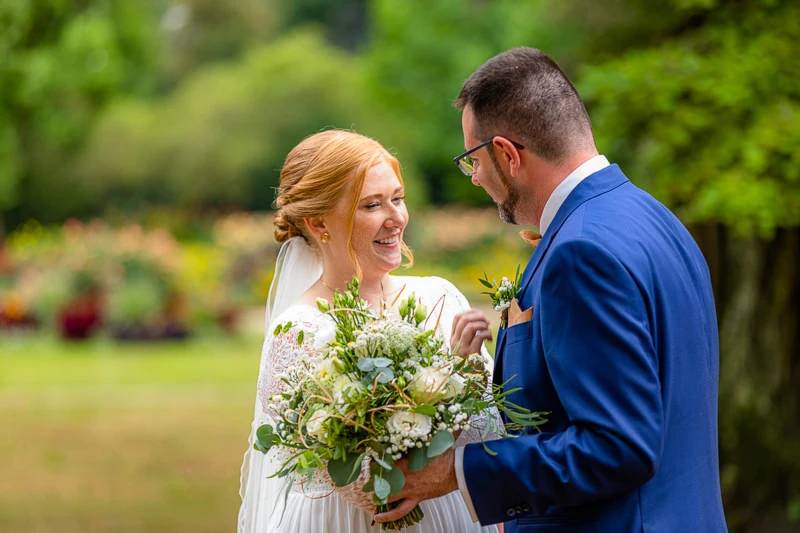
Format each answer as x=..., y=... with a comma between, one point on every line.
x=317, y=506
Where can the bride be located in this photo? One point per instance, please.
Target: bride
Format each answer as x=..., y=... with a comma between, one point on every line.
x=341, y=212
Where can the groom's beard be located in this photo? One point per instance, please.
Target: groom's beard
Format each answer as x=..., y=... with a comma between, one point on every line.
x=507, y=208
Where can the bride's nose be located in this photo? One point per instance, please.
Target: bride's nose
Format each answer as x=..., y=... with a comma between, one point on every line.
x=396, y=218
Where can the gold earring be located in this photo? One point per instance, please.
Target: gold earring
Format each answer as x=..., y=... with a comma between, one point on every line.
x=325, y=237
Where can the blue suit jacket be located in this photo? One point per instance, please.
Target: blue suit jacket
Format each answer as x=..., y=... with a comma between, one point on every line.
x=623, y=351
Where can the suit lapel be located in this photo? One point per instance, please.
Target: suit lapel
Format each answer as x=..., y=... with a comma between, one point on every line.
x=594, y=185
x=497, y=375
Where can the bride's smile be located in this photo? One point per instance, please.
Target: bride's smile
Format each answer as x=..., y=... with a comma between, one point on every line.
x=377, y=228
x=341, y=213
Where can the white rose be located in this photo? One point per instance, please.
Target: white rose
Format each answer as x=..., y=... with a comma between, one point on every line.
x=408, y=424
x=316, y=424
x=454, y=387
x=328, y=370
x=340, y=384
x=353, y=389
x=324, y=336
x=346, y=393
x=428, y=384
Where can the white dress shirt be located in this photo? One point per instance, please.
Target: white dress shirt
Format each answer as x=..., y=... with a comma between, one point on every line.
x=560, y=193
x=554, y=203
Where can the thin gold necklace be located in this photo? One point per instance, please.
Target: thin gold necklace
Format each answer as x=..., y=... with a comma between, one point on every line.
x=383, y=294
x=328, y=286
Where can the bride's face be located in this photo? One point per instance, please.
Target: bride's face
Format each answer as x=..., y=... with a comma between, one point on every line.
x=378, y=224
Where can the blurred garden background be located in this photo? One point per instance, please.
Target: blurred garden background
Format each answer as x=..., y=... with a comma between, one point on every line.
x=140, y=146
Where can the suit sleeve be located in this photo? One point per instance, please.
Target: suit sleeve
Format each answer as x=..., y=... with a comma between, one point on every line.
x=601, y=358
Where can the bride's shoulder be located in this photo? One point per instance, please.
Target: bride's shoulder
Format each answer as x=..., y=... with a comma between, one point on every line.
x=430, y=285
x=300, y=315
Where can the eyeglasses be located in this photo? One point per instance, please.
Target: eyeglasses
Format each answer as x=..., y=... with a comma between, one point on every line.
x=466, y=164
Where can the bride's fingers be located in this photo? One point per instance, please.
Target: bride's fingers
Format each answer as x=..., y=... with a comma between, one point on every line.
x=465, y=317
x=473, y=336
x=405, y=507
x=459, y=322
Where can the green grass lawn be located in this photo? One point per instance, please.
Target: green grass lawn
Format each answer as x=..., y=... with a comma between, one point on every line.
x=136, y=437
x=98, y=436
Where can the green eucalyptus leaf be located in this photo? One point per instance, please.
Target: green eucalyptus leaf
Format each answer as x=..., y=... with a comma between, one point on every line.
x=396, y=480
x=382, y=488
x=382, y=362
x=369, y=486
x=344, y=472
x=265, y=438
x=387, y=465
x=417, y=459
x=440, y=442
x=385, y=375
x=366, y=365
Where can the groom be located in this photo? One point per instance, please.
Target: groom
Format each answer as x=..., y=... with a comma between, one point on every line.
x=615, y=334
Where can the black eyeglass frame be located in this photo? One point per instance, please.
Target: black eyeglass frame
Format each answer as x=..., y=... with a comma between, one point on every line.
x=457, y=159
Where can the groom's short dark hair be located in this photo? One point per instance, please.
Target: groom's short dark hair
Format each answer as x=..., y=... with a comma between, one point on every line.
x=522, y=93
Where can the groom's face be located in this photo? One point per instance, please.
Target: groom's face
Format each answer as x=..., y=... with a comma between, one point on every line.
x=489, y=175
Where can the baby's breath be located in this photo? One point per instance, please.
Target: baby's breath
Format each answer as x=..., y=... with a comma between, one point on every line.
x=502, y=294
x=383, y=388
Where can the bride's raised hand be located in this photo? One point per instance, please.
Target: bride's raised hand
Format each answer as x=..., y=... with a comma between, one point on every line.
x=470, y=329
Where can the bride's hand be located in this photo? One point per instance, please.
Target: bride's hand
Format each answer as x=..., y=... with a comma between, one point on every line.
x=470, y=329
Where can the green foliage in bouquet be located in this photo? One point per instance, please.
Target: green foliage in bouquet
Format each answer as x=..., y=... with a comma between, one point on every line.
x=384, y=388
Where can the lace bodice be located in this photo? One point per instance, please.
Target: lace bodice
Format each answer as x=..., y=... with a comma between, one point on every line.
x=282, y=350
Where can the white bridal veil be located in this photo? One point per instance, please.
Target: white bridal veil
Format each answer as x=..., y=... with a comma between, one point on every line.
x=297, y=268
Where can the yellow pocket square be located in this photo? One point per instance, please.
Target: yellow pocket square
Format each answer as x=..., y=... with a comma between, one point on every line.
x=516, y=315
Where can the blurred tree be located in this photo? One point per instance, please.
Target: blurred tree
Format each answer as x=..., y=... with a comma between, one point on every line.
x=697, y=100
x=420, y=53
x=414, y=72
x=707, y=118
x=60, y=62
x=219, y=140
x=196, y=32
x=345, y=21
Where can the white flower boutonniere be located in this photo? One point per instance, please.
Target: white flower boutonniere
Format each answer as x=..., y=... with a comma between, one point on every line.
x=501, y=294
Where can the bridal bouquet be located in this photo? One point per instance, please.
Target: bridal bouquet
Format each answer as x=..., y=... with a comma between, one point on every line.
x=383, y=388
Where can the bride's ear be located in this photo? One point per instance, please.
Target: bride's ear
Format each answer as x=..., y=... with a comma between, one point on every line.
x=316, y=226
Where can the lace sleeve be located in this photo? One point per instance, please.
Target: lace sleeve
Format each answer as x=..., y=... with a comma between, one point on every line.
x=280, y=352
x=261, y=493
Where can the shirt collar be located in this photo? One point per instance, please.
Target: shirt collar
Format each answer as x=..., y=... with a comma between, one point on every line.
x=560, y=193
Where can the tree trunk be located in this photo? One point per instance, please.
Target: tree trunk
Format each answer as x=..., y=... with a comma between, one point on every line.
x=757, y=289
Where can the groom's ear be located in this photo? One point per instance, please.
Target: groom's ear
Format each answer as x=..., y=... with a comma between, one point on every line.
x=315, y=225
x=508, y=153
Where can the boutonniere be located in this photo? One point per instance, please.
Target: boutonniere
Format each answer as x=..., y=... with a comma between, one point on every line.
x=501, y=294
